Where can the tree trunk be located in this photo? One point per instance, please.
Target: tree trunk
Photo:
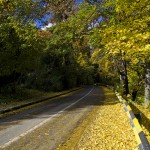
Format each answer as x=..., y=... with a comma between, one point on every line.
x=134, y=94
x=121, y=68
x=147, y=87
x=125, y=83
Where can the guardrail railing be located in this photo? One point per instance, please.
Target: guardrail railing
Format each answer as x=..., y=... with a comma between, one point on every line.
x=139, y=134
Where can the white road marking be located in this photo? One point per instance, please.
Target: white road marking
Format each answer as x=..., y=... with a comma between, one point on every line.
x=43, y=122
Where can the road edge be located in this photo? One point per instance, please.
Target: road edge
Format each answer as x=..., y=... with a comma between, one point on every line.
x=3, y=112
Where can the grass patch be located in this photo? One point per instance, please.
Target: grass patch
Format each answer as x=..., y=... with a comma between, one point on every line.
x=21, y=94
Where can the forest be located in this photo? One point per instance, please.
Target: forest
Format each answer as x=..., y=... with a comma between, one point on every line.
x=56, y=45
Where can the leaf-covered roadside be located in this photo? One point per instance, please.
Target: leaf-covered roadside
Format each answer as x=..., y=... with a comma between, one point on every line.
x=107, y=127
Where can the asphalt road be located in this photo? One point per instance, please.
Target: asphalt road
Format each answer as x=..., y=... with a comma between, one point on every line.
x=59, y=117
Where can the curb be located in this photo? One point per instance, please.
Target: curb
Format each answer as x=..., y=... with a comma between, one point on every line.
x=139, y=134
x=35, y=102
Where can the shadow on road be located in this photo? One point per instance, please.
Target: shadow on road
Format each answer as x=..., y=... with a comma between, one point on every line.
x=95, y=98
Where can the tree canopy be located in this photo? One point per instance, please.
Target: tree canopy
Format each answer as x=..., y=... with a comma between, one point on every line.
x=109, y=39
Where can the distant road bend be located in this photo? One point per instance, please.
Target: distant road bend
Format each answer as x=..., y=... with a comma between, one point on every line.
x=56, y=119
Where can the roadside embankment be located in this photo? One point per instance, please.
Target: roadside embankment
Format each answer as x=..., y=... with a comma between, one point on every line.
x=145, y=114
x=18, y=105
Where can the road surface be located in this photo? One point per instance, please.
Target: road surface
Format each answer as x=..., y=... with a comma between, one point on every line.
x=55, y=119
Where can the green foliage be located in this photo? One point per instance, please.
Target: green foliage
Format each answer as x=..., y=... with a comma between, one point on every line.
x=18, y=54
x=18, y=40
x=65, y=58
x=113, y=34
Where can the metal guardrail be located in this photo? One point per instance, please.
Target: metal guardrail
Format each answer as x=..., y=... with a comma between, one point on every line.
x=139, y=134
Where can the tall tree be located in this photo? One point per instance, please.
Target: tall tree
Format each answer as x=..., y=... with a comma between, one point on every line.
x=124, y=33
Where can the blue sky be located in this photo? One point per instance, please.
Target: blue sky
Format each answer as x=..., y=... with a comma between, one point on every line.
x=79, y=1
x=41, y=22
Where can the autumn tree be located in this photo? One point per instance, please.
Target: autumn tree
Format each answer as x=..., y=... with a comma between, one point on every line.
x=125, y=33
